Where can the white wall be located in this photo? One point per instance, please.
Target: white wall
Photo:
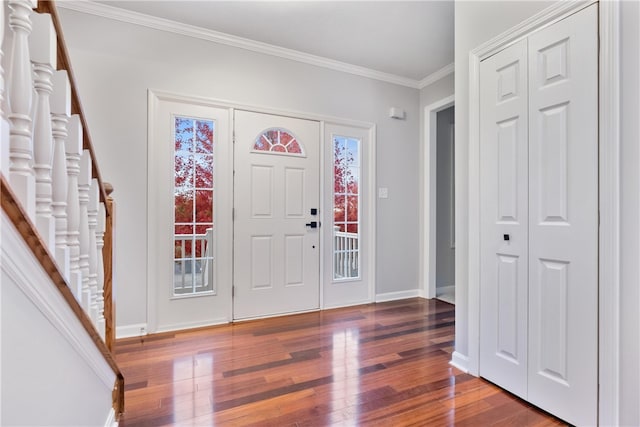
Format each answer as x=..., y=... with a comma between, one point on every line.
x=475, y=23
x=115, y=63
x=445, y=253
x=630, y=221
x=52, y=373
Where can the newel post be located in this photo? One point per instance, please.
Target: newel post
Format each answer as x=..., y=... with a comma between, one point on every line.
x=107, y=254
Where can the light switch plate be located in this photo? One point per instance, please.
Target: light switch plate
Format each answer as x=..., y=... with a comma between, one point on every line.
x=383, y=193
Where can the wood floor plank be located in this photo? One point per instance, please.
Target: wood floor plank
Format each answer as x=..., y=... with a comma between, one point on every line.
x=373, y=365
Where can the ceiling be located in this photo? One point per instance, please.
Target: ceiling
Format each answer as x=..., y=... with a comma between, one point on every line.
x=409, y=39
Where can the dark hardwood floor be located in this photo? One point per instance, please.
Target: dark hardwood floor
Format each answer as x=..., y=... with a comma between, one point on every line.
x=380, y=364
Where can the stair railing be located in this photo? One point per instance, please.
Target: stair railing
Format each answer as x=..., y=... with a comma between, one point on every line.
x=51, y=187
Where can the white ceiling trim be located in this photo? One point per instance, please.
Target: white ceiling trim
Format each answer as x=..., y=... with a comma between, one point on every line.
x=163, y=24
x=437, y=75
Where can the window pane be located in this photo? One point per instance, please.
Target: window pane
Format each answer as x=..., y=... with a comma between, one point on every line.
x=339, y=208
x=184, y=134
x=346, y=215
x=204, y=136
x=204, y=206
x=203, y=228
x=203, y=171
x=184, y=229
x=352, y=208
x=183, y=170
x=183, y=202
x=294, y=147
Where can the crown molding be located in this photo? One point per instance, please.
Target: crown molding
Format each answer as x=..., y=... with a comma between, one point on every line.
x=436, y=75
x=162, y=24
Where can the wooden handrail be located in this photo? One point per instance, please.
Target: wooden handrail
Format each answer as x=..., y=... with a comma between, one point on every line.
x=19, y=218
x=64, y=63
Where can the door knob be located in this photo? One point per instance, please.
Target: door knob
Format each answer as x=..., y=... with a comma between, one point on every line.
x=312, y=224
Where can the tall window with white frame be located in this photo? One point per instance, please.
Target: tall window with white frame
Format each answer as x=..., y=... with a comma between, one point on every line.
x=193, y=206
x=346, y=203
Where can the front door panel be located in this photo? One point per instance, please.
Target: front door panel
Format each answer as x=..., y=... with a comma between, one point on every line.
x=276, y=247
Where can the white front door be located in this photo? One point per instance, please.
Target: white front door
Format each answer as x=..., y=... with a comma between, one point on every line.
x=276, y=215
x=539, y=218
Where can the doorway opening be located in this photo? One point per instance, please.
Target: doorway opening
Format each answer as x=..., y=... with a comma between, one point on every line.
x=445, y=206
x=438, y=240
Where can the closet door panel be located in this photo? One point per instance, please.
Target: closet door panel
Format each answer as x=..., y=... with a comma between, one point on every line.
x=563, y=218
x=504, y=218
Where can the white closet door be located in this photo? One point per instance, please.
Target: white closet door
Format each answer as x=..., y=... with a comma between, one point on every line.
x=504, y=218
x=563, y=218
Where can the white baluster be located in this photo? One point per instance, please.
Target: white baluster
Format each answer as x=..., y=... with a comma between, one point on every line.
x=43, y=46
x=4, y=124
x=84, y=184
x=92, y=209
x=60, y=112
x=19, y=92
x=100, y=230
x=74, y=152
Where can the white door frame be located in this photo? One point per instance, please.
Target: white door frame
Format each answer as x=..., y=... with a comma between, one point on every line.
x=429, y=185
x=609, y=190
x=156, y=95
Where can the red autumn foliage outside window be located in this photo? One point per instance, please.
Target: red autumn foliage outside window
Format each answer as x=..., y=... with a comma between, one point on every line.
x=193, y=181
x=346, y=172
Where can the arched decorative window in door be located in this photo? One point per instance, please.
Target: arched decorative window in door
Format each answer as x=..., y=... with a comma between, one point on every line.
x=278, y=141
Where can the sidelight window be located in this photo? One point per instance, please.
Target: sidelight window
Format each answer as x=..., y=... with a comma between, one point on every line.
x=346, y=203
x=193, y=206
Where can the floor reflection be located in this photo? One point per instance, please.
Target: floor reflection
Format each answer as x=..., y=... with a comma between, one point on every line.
x=345, y=365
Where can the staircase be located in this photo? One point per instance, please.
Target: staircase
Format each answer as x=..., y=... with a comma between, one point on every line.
x=56, y=236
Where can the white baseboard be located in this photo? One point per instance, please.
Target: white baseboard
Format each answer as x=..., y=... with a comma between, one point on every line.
x=111, y=419
x=460, y=361
x=392, y=296
x=128, y=331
